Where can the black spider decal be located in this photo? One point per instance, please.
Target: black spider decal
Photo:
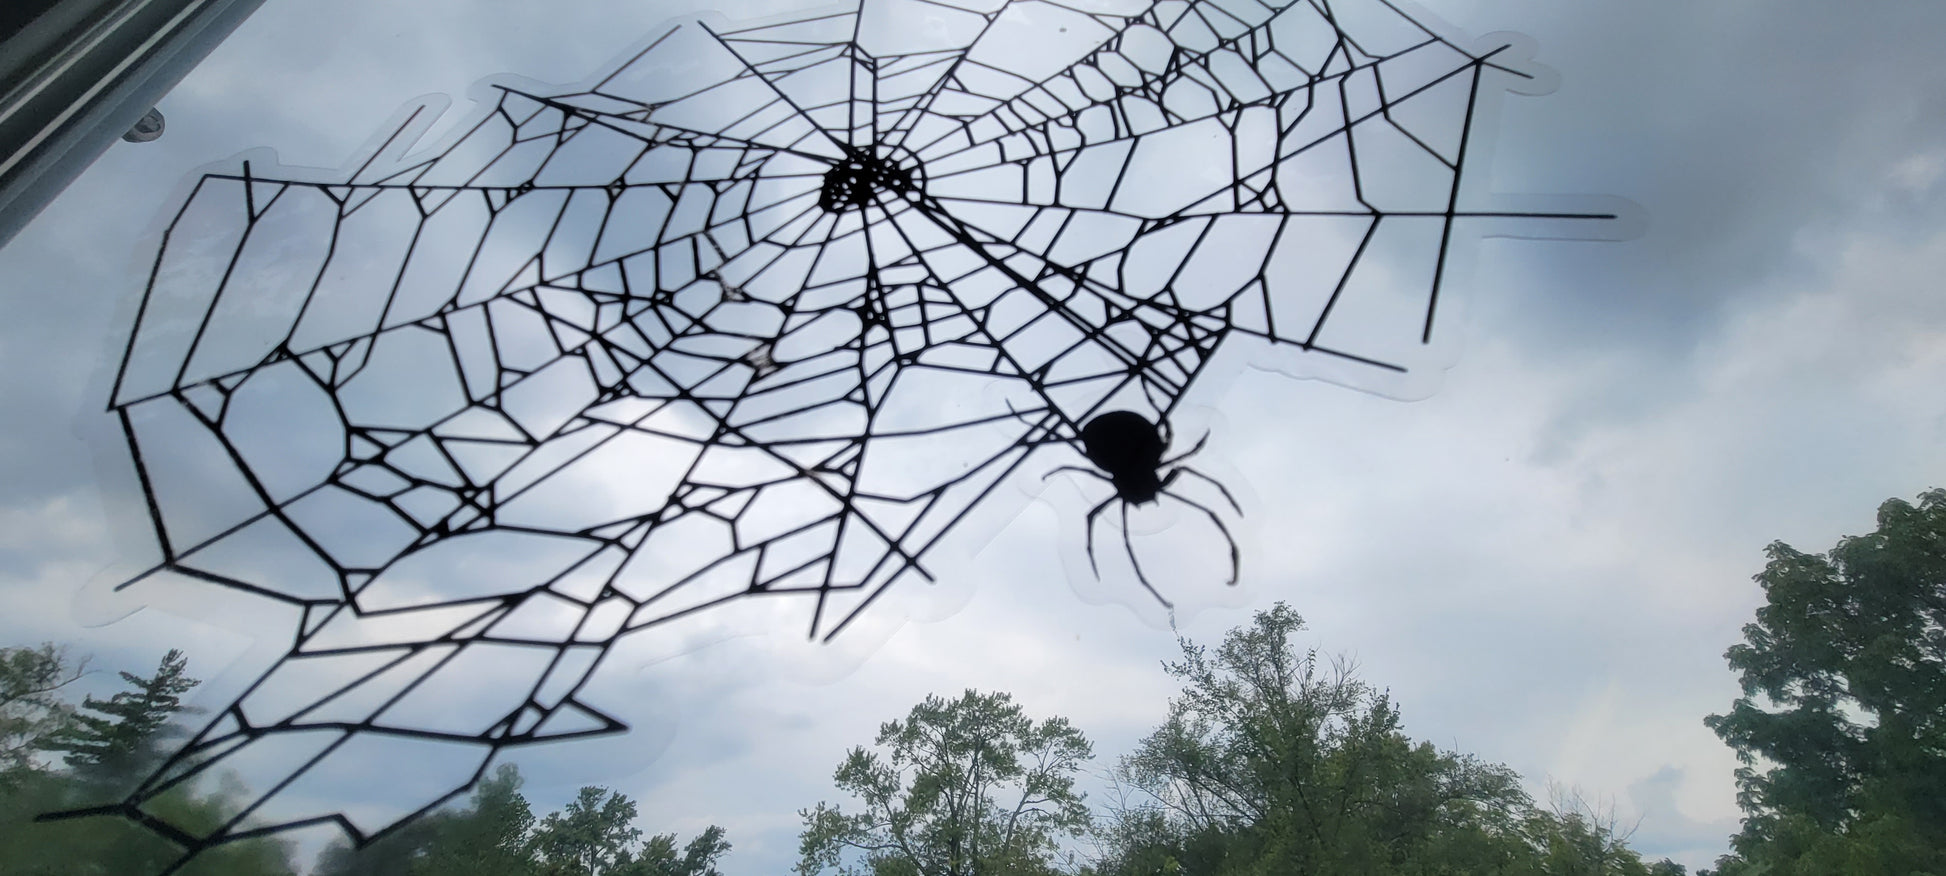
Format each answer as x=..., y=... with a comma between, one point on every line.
x=1128, y=450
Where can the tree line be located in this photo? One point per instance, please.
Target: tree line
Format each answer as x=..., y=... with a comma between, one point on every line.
x=496, y=834
x=1269, y=762
x=1276, y=762
x=55, y=755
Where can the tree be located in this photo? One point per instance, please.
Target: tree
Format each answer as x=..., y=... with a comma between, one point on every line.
x=116, y=847
x=1269, y=762
x=1272, y=762
x=960, y=787
x=31, y=711
x=490, y=837
x=591, y=836
x=1844, y=760
x=659, y=856
x=109, y=745
x=126, y=729
x=495, y=834
x=396, y=853
x=1573, y=836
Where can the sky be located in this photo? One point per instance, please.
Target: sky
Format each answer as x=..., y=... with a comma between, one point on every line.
x=1543, y=560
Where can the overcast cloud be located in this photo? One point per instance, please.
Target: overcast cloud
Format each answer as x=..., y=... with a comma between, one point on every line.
x=1544, y=561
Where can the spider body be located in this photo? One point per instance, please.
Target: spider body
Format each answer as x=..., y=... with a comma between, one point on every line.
x=1128, y=451
x=855, y=182
x=1128, y=448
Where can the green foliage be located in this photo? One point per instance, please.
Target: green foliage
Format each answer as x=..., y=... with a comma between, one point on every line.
x=960, y=787
x=125, y=731
x=115, y=847
x=1272, y=763
x=490, y=837
x=109, y=745
x=396, y=853
x=1844, y=762
x=660, y=857
x=1269, y=763
x=1572, y=837
x=31, y=711
x=590, y=836
x=496, y=834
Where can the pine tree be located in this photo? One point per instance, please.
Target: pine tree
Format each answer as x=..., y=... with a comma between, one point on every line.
x=31, y=710
x=111, y=737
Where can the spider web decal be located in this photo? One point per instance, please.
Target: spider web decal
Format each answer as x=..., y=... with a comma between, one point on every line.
x=766, y=311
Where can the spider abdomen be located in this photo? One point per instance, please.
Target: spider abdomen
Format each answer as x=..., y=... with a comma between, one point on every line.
x=1122, y=442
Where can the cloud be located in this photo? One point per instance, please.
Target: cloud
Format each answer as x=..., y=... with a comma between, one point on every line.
x=1740, y=127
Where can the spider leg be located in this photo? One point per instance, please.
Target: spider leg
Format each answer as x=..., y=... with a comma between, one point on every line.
x=1177, y=472
x=1187, y=453
x=1024, y=417
x=1162, y=405
x=1236, y=556
x=1086, y=471
x=1092, y=565
x=1129, y=545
